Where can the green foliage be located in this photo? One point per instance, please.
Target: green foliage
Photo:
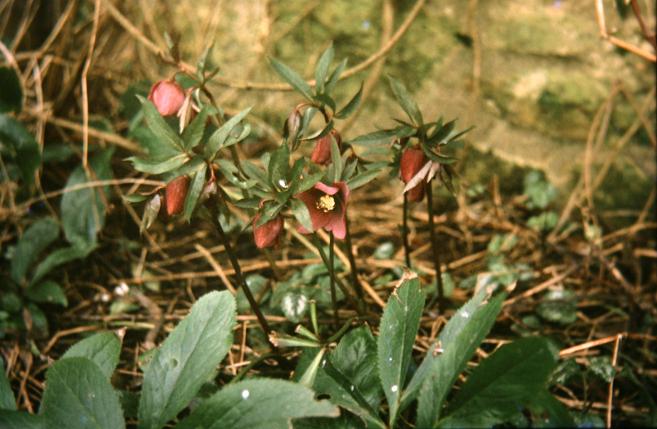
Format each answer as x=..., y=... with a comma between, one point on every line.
x=11, y=96
x=102, y=348
x=35, y=240
x=7, y=400
x=19, y=146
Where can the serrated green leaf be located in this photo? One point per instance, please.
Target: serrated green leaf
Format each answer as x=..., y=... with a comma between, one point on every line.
x=11, y=96
x=158, y=167
x=26, y=151
x=83, y=210
x=10, y=419
x=503, y=383
x=187, y=359
x=193, y=134
x=7, y=400
x=34, y=241
x=448, y=356
x=156, y=123
x=59, y=257
x=406, y=101
x=257, y=404
x=293, y=78
x=79, y=396
x=321, y=69
x=218, y=139
x=399, y=325
x=194, y=192
x=47, y=292
x=103, y=349
x=352, y=105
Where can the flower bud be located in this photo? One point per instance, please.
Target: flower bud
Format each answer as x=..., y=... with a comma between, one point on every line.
x=167, y=96
x=151, y=211
x=412, y=161
x=322, y=151
x=266, y=235
x=176, y=192
x=293, y=125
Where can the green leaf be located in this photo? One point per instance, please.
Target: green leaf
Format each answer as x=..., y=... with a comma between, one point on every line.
x=193, y=133
x=158, y=167
x=156, y=123
x=103, y=349
x=155, y=150
x=399, y=325
x=301, y=214
x=382, y=136
x=187, y=359
x=60, y=257
x=20, y=420
x=503, y=383
x=279, y=165
x=40, y=327
x=218, y=138
x=293, y=78
x=47, y=292
x=79, y=396
x=557, y=414
x=352, y=105
x=257, y=404
x=26, y=151
x=448, y=356
x=337, y=165
x=83, y=211
x=335, y=76
x=34, y=241
x=7, y=400
x=11, y=96
x=406, y=101
x=363, y=178
x=321, y=69
x=194, y=192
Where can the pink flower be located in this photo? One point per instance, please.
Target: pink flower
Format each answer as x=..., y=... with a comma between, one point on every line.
x=412, y=161
x=167, y=96
x=322, y=151
x=327, y=206
x=266, y=235
x=176, y=192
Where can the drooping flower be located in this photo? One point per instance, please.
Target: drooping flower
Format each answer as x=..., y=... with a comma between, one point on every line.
x=411, y=162
x=176, y=192
x=322, y=152
x=327, y=206
x=167, y=96
x=266, y=235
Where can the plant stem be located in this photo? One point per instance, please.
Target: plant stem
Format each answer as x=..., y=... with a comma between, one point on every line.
x=335, y=278
x=214, y=213
x=352, y=262
x=332, y=275
x=407, y=246
x=434, y=248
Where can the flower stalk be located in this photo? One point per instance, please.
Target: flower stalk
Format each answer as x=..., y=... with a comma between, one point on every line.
x=434, y=248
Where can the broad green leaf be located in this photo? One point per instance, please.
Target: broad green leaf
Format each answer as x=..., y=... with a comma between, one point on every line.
x=79, y=396
x=48, y=292
x=193, y=134
x=556, y=414
x=279, y=166
x=26, y=152
x=301, y=214
x=187, y=359
x=406, y=101
x=39, y=321
x=218, y=138
x=321, y=69
x=155, y=150
x=57, y=258
x=399, y=325
x=194, y=192
x=11, y=96
x=257, y=404
x=102, y=348
x=165, y=134
x=448, y=356
x=10, y=419
x=83, y=210
x=293, y=78
x=351, y=378
x=158, y=167
x=503, y=383
x=34, y=241
x=7, y=400
x=352, y=105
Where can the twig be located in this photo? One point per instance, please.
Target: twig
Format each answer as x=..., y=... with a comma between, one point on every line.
x=610, y=396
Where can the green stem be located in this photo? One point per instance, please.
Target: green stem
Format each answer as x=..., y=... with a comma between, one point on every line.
x=331, y=268
x=352, y=263
x=434, y=248
x=335, y=278
x=407, y=246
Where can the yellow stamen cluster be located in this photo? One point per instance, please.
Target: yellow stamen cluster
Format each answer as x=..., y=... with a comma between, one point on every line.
x=326, y=203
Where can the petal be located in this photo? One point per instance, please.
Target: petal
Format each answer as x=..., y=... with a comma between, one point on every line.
x=318, y=218
x=330, y=190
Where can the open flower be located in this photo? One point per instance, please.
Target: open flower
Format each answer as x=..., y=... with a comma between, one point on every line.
x=176, y=192
x=322, y=151
x=266, y=235
x=412, y=161
x=327, y=206
x=167, y=96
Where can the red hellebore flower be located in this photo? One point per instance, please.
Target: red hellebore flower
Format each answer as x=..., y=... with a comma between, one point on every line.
x=327, y=206
x=167, y=96
x=176, y=192
x=322, y=151
x=266, y=235
x=412, y=161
